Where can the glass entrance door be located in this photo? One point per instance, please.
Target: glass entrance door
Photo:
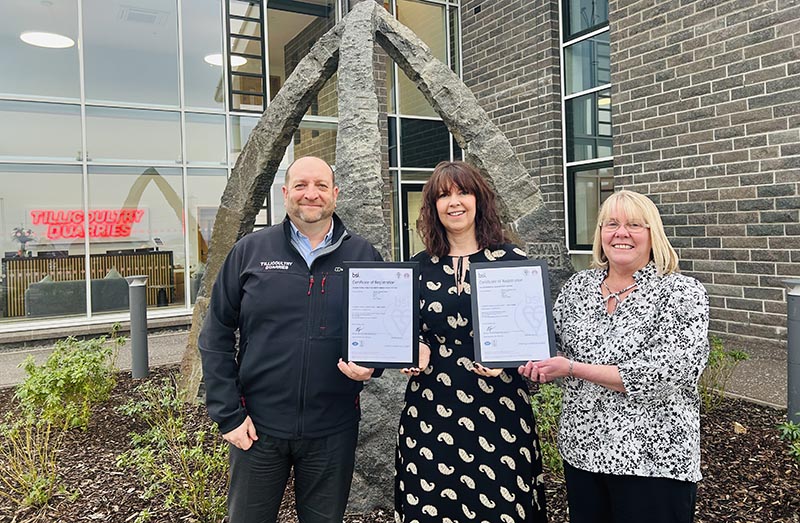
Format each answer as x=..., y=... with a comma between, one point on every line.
x=412, y=202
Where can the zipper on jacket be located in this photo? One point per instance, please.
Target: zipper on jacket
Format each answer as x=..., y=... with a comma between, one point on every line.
x=311, y=283
x=323, y=322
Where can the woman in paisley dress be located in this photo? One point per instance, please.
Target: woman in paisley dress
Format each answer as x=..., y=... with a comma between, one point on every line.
x=467, y=448
x=634, y=334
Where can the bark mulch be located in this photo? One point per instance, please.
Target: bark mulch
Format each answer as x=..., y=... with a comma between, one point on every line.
x=748, y=475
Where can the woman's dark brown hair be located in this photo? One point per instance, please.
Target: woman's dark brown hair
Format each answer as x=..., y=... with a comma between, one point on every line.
x=488, y=228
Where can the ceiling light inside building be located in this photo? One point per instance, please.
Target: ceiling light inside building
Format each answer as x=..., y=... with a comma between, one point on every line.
x=49, y=40
x=216, y=59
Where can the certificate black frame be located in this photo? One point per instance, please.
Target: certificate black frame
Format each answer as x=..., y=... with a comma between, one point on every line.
x=413, y=339
x=474, y=295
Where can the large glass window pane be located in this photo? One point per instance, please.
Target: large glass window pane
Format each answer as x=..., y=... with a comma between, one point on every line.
x=41, y=234
x=292, y=28
x=590, y=186
x=241, y=127
x=205, y=187
x=40, y=130
x=202, y=54
x=40, y=52
x=429, y=24
x=584, y=15
x=589, y=127
x=133, y=135
x=455, y=47
x=131, y=51
x=392, y=142
x=588, y=64
x=136, y=227
x=423, y=143
x=205, y=139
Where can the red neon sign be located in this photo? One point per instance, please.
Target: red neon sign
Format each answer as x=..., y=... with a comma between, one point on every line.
x=103, y=223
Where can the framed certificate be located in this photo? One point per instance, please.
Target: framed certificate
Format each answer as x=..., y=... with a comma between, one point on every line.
x=511, y=313
x=381, y=314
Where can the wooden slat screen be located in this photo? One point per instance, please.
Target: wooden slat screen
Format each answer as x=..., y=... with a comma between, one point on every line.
x=21, y=272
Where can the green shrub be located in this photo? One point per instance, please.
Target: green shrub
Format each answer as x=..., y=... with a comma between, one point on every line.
x=714, y=380
x=187, y=468
x=77, y=375
x=790, y=432
x=546, y=405
x=28, y=464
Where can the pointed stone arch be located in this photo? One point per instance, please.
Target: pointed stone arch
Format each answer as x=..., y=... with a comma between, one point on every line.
x=349, y=47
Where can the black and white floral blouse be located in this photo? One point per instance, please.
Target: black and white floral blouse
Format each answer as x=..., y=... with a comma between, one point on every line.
x=658, y=338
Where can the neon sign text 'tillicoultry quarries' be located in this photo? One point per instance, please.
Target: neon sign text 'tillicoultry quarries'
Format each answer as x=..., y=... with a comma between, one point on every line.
x=103, y=223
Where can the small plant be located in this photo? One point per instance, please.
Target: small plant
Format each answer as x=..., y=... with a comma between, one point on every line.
x=28, y=465
x=546, y=405
x=77, y=375
x=790, y=432
x=714, y=380
x=187, y=468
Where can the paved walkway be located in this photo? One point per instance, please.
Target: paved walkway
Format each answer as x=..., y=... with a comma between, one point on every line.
x=162, y=349
x=761, y=379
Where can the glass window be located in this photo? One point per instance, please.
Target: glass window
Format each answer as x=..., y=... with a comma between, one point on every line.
x=131, y=51
x=292, y=29
x=205, y=139
x=455, y=47
x=40, y=51
x=202, y=54
x=589, y=188
x=589, y=127
x=136, y=227
x=205, y=187
x=429, y=24
x=133, y=135
x=423, y=143
x=41, y=220
x=582, y=16
x=588, y=64
x=392, y=142
x=40, y=130
x=241, y=127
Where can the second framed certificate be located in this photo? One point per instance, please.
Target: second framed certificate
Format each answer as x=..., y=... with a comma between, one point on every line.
x=511, y=312
x=381, y=313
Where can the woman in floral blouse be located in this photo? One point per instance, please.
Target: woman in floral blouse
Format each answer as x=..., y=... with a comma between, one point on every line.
x=633, y=334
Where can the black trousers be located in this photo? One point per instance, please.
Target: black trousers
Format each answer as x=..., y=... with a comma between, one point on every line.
x=606, y=498
x=323, y=470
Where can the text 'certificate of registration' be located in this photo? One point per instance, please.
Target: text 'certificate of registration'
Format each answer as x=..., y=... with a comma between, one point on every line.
x=512, y=311
x=381, y=314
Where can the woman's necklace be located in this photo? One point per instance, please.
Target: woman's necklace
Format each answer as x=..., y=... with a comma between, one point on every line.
x=616, y=295
x=461, y=267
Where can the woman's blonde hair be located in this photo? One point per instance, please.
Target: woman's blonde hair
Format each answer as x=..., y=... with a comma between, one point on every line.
x=637, y=208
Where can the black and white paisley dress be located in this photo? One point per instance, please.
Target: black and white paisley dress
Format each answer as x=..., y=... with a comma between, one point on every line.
x=467, y=448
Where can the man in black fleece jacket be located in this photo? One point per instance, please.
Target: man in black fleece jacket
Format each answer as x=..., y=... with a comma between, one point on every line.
x=285, y=398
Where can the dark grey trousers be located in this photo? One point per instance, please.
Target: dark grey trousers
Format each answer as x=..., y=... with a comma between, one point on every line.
x=323, y=470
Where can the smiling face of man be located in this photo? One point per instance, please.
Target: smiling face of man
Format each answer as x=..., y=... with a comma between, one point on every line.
x=309, y=193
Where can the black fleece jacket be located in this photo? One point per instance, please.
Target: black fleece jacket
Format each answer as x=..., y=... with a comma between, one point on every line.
x=290, y=324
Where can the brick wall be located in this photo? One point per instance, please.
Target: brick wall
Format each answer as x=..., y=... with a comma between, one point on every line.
x=706, y=121
x=307, y=141
x=511, y=63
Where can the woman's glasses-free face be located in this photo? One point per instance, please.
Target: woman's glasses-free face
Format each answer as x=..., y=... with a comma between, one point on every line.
x=632, y=227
